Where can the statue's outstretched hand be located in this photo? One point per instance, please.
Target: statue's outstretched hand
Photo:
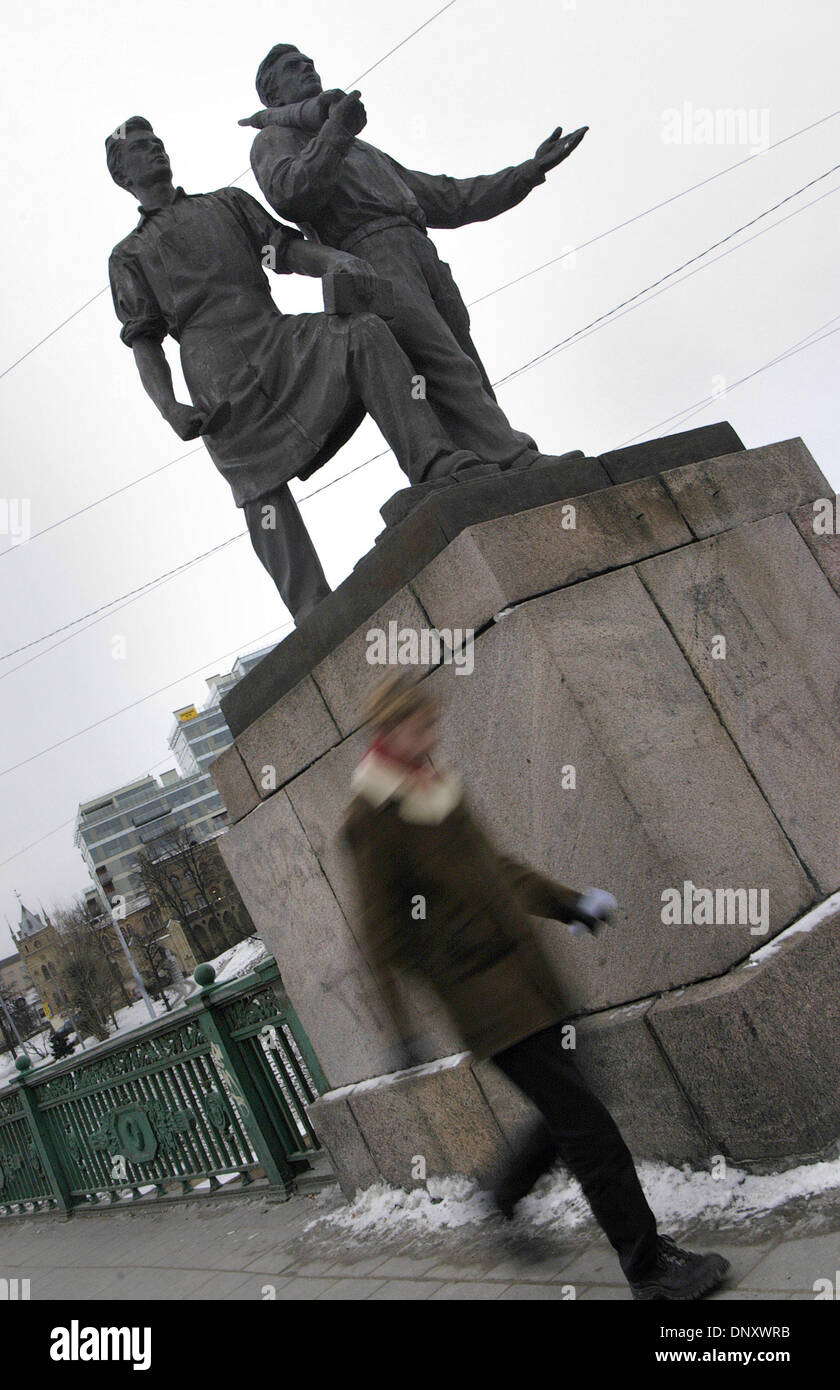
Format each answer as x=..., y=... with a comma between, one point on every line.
x=558, y=147
x=349, y=112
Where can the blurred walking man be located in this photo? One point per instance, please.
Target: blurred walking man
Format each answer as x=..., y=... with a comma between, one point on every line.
x=410, y=832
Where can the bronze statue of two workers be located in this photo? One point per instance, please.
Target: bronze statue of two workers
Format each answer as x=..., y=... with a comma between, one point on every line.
x=275, y=395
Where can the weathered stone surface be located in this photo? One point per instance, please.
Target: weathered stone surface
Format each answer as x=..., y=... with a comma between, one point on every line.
x=724, y=492
x=296, y=914
x=287, y=737
x=620, y=1059
x=675, y=763
x=758, y=1052
x=345, y=676
x=234, y=784
x=761, y=589
x=590, y=679
x=825, y=547
x=512, y=558
x=440, y=1116
x=512, y=1111
x=464, y=504
x=674, y=450
x=402, y=551
x=338, y=1133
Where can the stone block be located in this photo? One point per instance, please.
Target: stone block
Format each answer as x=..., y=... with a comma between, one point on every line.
x=395, y=559
x=723, y=492
x=620, y=1058
x=675, y=762
x=513, y=1112
x=296, y=914
x=622, y=1062
x=289, y=736
x=592, y=683
x=436, y=1113
x=654, y=455
x=823, y=545
x=234, y=784
x=758, y=1051
x=501, y=562
x=346, y=676
x=403, y=550
x=338, y=1133
x=760, y=588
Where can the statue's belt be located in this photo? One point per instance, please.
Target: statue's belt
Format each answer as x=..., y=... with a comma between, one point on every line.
x=379, y=224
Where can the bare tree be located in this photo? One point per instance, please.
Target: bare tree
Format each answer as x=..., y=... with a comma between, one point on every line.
x=84, y=974
x=181, y=875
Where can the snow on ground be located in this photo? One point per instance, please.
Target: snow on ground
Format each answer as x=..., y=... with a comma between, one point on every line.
x=240, y=959
x=677, y=1196
x=805, y=924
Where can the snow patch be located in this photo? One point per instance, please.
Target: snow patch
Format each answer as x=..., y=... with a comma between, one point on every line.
x=677, y=1195
x=239, y=959
x=389, y=1078
x=805, y=924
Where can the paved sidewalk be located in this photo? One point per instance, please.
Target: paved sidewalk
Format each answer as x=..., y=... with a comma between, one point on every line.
x=252, y=1248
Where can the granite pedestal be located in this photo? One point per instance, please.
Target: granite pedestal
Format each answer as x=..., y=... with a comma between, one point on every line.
x=653, y=706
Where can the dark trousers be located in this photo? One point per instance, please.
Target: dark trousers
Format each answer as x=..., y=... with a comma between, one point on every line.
x=432, y=325
x=579, y=1131
x=284, y=546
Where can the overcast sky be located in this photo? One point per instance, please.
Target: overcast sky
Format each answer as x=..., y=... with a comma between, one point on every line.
x=475, y=90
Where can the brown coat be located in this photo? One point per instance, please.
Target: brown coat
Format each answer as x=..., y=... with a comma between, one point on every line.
x=475, y=946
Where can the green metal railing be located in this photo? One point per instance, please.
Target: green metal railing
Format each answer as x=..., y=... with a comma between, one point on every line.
x=213, y=1096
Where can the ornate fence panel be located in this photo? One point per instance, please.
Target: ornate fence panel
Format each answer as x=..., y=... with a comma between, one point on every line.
x=211, y=1096
x=23, y=1179
x=280, y=1060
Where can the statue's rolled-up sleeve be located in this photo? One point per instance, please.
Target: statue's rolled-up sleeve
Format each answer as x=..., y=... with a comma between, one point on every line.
x=450, y=202
x=136, y=307
x=261, y=227
x=298, y=183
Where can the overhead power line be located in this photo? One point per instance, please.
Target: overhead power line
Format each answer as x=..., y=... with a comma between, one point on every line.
x=60, y=743
x=115, y=604
x=810, y=340
x=701, y=255
x=666, y=202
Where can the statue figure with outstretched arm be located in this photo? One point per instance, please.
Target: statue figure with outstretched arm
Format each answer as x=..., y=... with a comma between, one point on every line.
x=314, y=170
x=273, y=395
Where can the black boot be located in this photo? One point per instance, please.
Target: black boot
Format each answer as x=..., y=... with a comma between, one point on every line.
x=680, y=1274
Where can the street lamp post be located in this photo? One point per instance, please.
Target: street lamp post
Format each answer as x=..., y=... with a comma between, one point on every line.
x=124, y=948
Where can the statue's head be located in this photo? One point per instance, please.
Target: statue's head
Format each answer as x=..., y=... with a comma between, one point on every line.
x=136, y=156
x=286, y=75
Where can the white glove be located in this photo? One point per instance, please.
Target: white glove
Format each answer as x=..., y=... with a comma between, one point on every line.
x=595, y=907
